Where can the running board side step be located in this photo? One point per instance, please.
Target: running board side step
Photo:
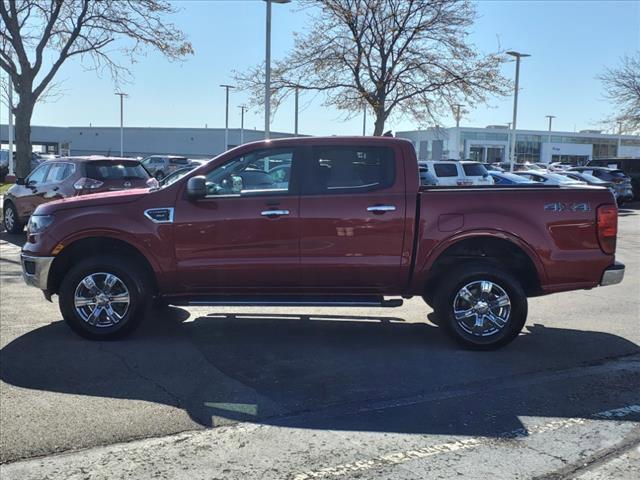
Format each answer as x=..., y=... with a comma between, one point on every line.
x=291, y=301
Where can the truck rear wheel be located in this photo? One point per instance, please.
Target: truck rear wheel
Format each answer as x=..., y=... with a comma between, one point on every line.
x=481, y=306
x=104, y=298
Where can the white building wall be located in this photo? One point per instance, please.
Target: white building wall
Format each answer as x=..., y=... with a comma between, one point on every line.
x=547, y=150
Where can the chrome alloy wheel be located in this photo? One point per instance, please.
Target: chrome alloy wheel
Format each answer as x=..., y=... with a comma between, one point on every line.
x=101, y=299
x=482, y=308
x=9, y=218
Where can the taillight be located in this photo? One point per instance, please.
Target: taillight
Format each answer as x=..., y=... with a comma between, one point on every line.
x=87, y=184
x=607, y=227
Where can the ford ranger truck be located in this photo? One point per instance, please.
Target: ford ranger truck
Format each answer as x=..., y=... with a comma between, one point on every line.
x=321, y=222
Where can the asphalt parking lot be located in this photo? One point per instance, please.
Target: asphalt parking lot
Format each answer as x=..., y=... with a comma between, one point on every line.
x=330, y=393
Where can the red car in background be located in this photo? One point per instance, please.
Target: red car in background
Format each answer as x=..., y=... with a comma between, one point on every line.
x=68, y=177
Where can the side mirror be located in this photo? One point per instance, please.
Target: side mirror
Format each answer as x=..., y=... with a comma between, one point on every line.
x=20, y=181
x=197, y=187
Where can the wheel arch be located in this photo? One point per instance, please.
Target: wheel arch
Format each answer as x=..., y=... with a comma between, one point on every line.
x=93, y=246
x=501, y=249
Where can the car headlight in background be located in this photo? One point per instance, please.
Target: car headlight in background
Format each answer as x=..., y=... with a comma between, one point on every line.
x=38, y=223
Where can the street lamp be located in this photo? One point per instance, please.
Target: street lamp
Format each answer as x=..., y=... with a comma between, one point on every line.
x=226, y=117
x=267, y=76
x=364, y=120
x=518, y=56
x=550, y=117
x=243, y=109
x=458, y=107
x=121, y=95
x=12, y=167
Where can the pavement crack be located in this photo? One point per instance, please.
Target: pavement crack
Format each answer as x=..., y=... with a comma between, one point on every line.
x=595, y=460
x=175, y=398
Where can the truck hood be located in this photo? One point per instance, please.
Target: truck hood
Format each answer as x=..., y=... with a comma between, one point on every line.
x=92, y=200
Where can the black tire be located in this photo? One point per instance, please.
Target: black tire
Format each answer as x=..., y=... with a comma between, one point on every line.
x=129, y=274
x=10, y=219
x=467, y=275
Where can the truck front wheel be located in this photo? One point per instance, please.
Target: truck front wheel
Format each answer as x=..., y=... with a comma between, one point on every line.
x=104, y=298
x=481, y=306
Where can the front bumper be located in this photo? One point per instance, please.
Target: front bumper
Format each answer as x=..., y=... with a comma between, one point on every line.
x=613, y=274
x=35, y=270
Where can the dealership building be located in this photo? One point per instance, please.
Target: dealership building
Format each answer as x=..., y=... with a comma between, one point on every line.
x=137, y=141
x=491, y=144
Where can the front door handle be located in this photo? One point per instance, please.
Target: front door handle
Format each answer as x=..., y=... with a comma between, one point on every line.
x=274, y=213
x=379, y=209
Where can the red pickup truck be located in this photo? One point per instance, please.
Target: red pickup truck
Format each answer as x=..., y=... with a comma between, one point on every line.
x=321, y=222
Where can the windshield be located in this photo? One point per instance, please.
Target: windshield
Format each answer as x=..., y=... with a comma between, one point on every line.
x=560, y=178
x=591, y=178
x=514, y=178
x=174, y=177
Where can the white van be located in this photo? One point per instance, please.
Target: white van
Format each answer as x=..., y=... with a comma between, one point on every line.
x=451, y=173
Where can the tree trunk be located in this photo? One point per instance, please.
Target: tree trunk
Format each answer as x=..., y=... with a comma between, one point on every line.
x=379, y=124
x=23, y=112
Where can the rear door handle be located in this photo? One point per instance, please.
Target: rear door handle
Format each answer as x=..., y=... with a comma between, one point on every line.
x=274, y=213
x=381, y=208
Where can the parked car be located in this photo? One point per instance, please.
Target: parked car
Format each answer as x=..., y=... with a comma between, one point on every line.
x=559, y=166
x=426, y=177
x=621, y=182
x=160, y=166
x=352, y=226
x=507, y=178
x=591, y=180
x=517, y=167
x=549, y=178
x=67, y=177
x=455, y=173
x=630, y=167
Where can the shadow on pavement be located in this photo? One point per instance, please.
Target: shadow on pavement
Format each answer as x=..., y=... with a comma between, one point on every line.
x=16, y=239
x=264, y=368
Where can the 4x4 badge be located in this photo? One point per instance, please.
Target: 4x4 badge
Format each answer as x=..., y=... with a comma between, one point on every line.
x=567, y=207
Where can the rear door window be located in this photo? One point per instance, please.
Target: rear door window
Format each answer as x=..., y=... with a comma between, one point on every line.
x=60, y=171
x=474, y=170
x=349, y=169
x=445, y=169
x=109, y=170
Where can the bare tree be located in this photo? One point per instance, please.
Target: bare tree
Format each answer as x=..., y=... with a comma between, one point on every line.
x=405, y=57
x=622, y=87
x=38, y=36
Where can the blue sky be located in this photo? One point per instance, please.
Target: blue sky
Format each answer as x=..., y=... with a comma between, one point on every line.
x=570, y=42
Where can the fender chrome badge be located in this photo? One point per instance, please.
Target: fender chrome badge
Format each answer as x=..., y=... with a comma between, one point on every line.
x=567, y=207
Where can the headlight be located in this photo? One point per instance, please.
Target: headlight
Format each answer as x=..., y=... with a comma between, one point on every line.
x=38, y=223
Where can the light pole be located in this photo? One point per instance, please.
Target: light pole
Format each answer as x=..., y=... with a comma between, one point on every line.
x=550, y=117
x=458, y=107
x=242, y=108
x=12, y=170
x=267, y=73
x=295, y=123
x=364, y=120
x=226, y=116
x=121, y=95
x=619, y=138
x=458, y=112
x=518, y=56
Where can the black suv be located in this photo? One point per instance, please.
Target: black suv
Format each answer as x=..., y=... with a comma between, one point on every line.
x=630, y=166
x=621, y=182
